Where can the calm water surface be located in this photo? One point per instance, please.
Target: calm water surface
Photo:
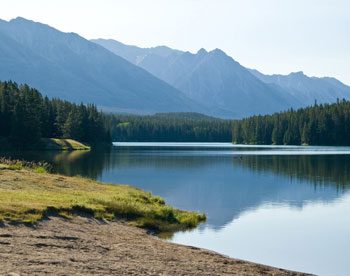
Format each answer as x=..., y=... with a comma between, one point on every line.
x=285, y=206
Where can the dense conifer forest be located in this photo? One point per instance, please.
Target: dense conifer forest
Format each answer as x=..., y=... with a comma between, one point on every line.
x=324, y=124
x=170, y=127
x=26, y=117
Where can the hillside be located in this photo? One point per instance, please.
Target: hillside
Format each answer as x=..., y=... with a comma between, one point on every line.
x=229, y=89
x=211, y=78
x=69, y=67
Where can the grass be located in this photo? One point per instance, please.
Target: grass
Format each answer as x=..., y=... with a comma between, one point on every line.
x=64, y=144
x=27, y=196
x=45, y=144
x=15, y=164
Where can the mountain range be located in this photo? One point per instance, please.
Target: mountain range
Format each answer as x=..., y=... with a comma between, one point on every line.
x=67, y=66
x=215, y=79
x=210, y=78
x=124, y=78
x=307, y=89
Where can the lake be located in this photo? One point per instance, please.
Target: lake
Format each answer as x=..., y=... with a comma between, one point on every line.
x=284, y=206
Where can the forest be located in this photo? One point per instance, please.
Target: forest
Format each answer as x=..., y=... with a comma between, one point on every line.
x=170, y=127
x=320, y=124
x=26, y=117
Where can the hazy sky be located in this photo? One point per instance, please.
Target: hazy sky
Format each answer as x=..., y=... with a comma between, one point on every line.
x=273, y=36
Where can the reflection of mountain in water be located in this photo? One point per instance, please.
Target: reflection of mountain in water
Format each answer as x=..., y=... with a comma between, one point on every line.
x=221, y=186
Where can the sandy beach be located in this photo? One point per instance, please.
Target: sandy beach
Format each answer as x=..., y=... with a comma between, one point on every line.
x=86, y=246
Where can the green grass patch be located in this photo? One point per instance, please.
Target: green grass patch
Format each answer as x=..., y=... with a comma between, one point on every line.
x=16, y=166
x=29, y=195
x=45, y=144
x=65, y=214
x=63, y=144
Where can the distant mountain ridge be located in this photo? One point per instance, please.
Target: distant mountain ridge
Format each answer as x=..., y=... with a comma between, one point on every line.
x=70, y=67
x=215, y=79
x=308, y=89
x=134, y=54
x=210, y=78
x=123, y=78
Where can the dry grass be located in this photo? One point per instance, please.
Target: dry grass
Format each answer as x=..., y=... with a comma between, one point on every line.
x=27, y=196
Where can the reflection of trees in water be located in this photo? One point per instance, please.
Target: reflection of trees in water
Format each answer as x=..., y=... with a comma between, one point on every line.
x=321, y=170
x=317, y=169
x=85, y=163
x=165, y=158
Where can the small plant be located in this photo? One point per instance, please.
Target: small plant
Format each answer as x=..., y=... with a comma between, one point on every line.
x=40, y=170
x=17, y=166
x=65, y=214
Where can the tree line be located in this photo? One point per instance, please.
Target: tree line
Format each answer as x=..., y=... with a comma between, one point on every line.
x=26, y=117
x=324, y=124
x=170, y=127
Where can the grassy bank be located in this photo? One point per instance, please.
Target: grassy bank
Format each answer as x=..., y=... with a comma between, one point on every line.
x=28, y=195
x=44, y=144
x=63, y=144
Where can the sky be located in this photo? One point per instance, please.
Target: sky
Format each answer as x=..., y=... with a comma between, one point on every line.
x=273, y=36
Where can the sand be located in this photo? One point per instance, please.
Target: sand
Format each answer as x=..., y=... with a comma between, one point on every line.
x=86, y=246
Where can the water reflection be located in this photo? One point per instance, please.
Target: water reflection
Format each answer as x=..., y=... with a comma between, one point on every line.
x=282, y=206
x=316, y=169
x=208, y=179
x=85, y=163
x=315, y=239
x=224, y=186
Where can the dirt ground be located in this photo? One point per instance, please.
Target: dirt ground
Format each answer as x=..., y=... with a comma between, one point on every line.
x=85, y=246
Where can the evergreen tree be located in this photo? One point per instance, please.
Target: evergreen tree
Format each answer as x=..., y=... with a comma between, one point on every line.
x=327, y=124
x=26, y=117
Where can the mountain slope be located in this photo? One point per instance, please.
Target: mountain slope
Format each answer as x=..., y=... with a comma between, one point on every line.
x=134, y=54
x=211, y=78
x=308, y=89
x=68, y=66
x=216, y=80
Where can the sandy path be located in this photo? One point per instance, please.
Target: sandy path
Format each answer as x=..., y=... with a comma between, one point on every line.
x=85, y=246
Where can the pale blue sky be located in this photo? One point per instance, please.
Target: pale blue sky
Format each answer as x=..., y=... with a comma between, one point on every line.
x=273, y=36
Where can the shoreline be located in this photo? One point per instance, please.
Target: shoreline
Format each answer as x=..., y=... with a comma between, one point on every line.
x=28, y=194
x=45, y=144
x=87, y=246
x=59, y=225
